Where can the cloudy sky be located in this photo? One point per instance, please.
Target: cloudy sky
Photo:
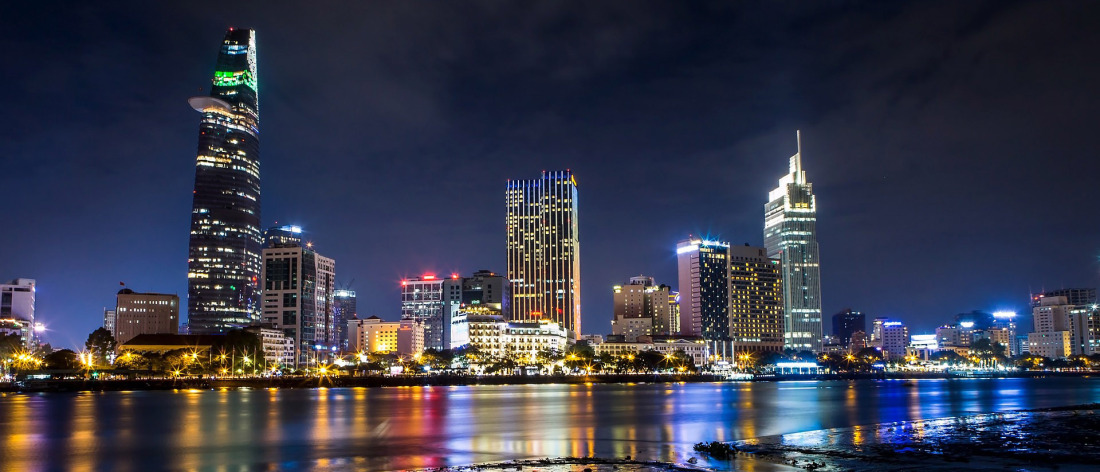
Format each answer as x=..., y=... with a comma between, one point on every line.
x=951, y=145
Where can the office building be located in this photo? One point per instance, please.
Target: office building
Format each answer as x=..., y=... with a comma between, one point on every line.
x=17, y=309
x=891, y=336
x=704, y=275
x=1074, y=296
x=145, y=313
x=283, y=236
x=790, y=234
x=486, y=287
x=431, y=301
x=756, y=301
x=343, y=310
x=669, y=326
x=223, y=259
x=640, y=307
x=543, y=250
x=298, y=295
x=110, y=318
x=847, y=322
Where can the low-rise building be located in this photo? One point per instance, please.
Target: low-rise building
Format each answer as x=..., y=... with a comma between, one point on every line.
x=1051, y=344
x=405, y=337
x=145, y=313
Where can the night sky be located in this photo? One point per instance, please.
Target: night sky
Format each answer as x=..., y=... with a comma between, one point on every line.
x=952, y=146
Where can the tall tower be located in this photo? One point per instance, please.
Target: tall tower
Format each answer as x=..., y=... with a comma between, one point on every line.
x=790, y=235
x=756, y=300
x=544, y=263
x=224, y=253
x=704, y=275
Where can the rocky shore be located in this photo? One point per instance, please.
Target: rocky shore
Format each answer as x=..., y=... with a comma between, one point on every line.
x=1063, y=439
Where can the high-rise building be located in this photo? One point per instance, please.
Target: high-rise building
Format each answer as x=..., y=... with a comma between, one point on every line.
x=1054, y=315
x=430, y=300
x=790, y=234
x=704, y=275
x=847, y=322
x=17, y=309
x=224, y=252
x=543, y=250
x=283, y=236
x=298, y=286
x=640, y=308
x=145, y=313
x=343, y=309
x=110, y=317
x=671, y=325
x=1074, y=296
x=486, y=287
x=756, y=300
x=891, y=336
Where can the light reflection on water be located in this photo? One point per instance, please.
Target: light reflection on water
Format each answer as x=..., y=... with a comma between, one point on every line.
x=420, y=427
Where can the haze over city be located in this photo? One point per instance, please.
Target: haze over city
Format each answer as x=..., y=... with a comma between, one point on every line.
x=949, y=147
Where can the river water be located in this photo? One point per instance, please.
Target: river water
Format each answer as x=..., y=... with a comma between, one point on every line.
x=421, y=427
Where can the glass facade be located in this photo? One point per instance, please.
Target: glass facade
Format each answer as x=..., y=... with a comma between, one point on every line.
x=790, y=235
x=543, y=250
x=224, y=252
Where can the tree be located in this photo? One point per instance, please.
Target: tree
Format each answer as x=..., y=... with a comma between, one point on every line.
x=10, y=344
x=63, y=359
x=101, y=343
x=648, y=360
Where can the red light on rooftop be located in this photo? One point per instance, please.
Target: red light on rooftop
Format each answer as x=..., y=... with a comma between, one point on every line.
x=454, y=276
x=428, y=277
x=404, y=283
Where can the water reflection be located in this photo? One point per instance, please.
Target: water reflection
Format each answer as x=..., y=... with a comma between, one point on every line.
x=419, y=427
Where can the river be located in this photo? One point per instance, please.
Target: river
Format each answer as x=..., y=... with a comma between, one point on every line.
x=421, y=427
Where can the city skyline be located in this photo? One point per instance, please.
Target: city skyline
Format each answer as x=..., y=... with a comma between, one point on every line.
x=884, y=172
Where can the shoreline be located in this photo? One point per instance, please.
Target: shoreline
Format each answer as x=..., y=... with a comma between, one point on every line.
x=188, y=383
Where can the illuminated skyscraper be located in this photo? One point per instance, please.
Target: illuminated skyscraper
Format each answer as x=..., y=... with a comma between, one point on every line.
x=343, y=310
x=756, y=300
x=704, y=274
x=298, y=297
x=790, y=235
x=224, y=253
x=543, y=250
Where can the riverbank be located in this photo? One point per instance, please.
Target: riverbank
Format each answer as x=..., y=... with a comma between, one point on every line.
x=78, y=385
x=205, y=383
x=1062, y=438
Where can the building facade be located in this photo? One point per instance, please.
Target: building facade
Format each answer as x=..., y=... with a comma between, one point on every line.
x=790, y=234
x=847, y=322
x=640, y=308
x=343, y=310
x=145, y=313
x=298, y=287
x=431, y=300
x=756, y=301
x=17, y=301
x=223, y=259
x=543, y=249
x=704, y=274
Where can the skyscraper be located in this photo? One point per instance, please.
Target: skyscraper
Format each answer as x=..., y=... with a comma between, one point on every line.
x=343, y=310
x=847, y=322
x=756, y=300
x=224, y=252
x=430, y=300
x=790, y=235
x=704, y=274
x=543, y=250
x=298, y=285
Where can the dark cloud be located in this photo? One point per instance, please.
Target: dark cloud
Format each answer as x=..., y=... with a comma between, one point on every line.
x=950, y=143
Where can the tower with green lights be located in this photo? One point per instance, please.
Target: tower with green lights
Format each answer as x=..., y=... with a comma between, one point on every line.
x=224, y=253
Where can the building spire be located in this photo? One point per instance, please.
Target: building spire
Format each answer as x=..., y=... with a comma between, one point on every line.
x=796, y=160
